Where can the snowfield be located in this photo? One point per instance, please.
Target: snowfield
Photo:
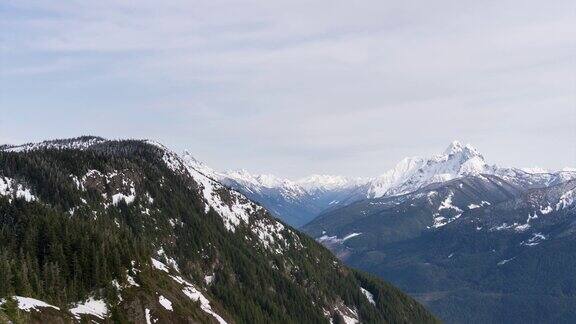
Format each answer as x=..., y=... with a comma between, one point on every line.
x=27, y=304
x=92, y=306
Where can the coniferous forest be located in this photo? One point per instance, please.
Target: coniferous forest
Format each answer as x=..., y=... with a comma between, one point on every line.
x=96, y=217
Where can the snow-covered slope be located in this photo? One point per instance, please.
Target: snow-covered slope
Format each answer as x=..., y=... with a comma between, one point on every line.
x=284, y=198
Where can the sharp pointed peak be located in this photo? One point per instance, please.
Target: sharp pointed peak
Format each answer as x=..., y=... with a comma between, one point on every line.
x=457, y=147
x=454, y=146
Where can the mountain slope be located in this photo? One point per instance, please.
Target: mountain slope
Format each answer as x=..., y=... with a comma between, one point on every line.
x=295, y=202
x=281, y=197
x=473, y=249
x=102, y=230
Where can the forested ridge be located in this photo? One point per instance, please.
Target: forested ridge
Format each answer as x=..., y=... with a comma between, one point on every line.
x=95, y=216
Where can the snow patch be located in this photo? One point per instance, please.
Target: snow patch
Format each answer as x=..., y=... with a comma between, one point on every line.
x=27, y=304
x=503, y=226
x=318, y=183
x=11, y=189
x=546, y=210
x=522, y=228
x=159, y=265
x=351, y=235
x=116, y=198
x=566, y=200
x=269, y=231
x=503, y=262
x=368, y=295
x=447, y=203
x=92, y=306
x=165, y=302
x=349, y=320
x=482, y=204
x=208, y=279
x=129, y=198
x=536, y=239
x=334, y=239
x=170, y=261
x=350, y=316
x=147, y=314
x=195, y=295
x=131, y=281
x=440, y=221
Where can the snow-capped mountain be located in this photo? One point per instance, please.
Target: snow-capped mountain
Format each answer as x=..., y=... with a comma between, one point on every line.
x=282, y=197
x=298, y=202
x=413, y=173
x=455, y=162
x=295, y=202
x=260, y=182
x=319, y=183
x=441, y=223
x=479, y=240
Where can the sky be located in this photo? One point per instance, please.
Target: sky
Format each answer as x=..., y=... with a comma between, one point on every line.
x=296, y=87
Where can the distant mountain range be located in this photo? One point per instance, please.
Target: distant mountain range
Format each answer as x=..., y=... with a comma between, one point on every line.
x=295, y=202
x=475, y=243
x=298, y=202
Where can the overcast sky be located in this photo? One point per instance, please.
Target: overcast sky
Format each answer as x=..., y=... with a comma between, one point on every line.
x=296, y=87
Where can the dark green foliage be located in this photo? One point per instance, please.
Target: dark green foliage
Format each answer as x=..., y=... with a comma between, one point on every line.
x=58, y=258
x=9, y=312
x=71, y=243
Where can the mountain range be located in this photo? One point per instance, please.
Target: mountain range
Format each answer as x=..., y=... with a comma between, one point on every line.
x=473, y=241
x=164, y=237
x=477, y=244
x=95, y=230
x=298, y=202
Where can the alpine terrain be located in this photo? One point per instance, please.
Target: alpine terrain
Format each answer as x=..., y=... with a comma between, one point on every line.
x=295, y=202
x=476, y=243
x=93, y=230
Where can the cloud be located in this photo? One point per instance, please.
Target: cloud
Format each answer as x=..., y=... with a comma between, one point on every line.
x=296, y=86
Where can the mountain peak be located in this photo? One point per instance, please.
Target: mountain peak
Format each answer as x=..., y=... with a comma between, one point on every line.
x=454, y=147
x=413, y=173
x=457, y=147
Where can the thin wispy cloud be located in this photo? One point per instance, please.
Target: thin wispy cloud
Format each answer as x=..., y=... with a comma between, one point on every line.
x=296, y=87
